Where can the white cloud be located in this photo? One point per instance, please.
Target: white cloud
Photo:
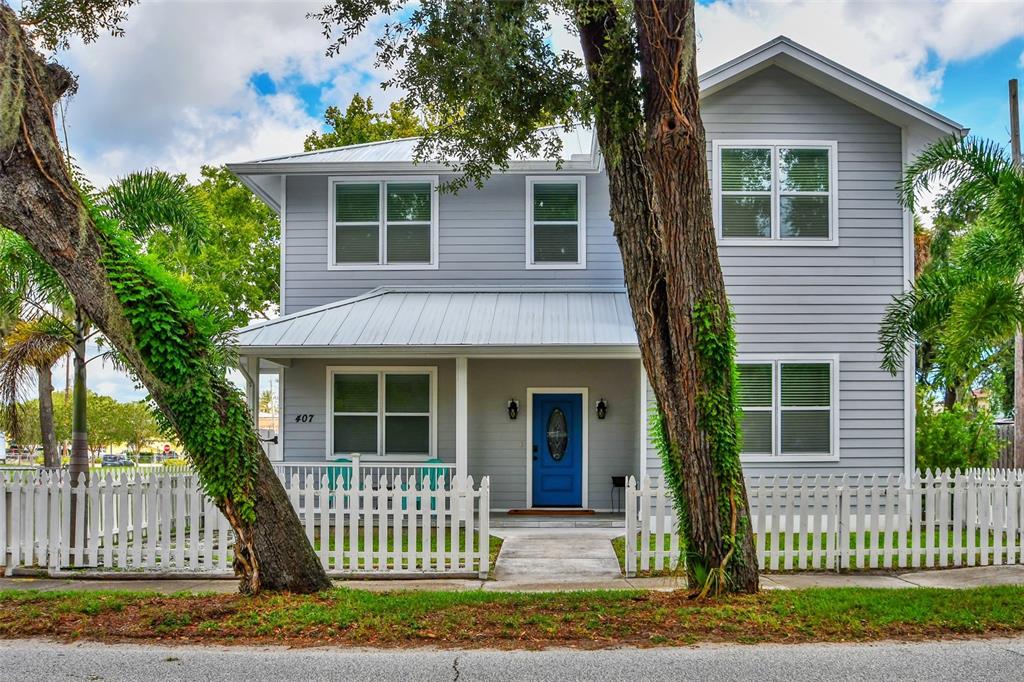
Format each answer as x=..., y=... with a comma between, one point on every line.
x=175, y=91
x=101, y=377
x=903, y=45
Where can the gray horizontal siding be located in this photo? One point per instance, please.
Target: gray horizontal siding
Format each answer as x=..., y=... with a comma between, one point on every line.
x=788, y=300
x=305, y=392
x=497, y=444
x=814, y=300
x=481, y=240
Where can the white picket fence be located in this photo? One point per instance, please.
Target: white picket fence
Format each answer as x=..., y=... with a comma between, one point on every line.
x=164, y=523
x=941, y=519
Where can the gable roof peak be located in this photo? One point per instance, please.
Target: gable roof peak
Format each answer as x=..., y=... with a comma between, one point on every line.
x=800, y=60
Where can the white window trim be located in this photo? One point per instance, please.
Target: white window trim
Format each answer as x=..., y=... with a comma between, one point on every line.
x=776, y=408
x=382, y=221
x=381, y=371
x=776, y=240
x=581, y=232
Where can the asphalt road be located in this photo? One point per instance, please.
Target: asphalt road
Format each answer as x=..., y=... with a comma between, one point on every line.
x=977, y=660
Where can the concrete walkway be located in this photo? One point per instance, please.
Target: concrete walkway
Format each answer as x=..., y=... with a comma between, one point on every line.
x=564, y=558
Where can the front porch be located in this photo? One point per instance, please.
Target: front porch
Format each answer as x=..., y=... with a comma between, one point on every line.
x=541, y=390
x=532, y=425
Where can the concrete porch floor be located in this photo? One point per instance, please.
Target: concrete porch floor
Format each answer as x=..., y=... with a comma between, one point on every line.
x=597, y=520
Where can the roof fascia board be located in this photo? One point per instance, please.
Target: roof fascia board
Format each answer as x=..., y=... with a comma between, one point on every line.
x=827, y=74
x=340, y=167
x=550, y=351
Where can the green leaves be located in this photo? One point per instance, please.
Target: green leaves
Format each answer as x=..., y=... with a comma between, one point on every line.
x=966, y=303
x=152, y=200
x=361, y=124
x=486, y=73
x=52, y=23
x=234, y=271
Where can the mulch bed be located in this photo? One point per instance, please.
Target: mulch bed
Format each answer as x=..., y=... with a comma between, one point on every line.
x=477, y=620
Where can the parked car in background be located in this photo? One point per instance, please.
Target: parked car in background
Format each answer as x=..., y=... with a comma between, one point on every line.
x=118, y=460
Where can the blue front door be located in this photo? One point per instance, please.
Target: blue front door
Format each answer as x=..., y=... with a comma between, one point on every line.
x=558, y=450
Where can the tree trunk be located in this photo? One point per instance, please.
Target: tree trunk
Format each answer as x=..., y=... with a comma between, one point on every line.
x=39, y=201
x=661, y=209
x=51, y=458
x=1018, y=337
x=79, y=426
x=949, y=398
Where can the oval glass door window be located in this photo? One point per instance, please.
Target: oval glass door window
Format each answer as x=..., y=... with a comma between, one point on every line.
x=558, y=434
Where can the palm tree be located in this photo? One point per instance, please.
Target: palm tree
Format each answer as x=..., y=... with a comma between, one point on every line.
x=144, y=203
x=967, y=302
x=32, y=345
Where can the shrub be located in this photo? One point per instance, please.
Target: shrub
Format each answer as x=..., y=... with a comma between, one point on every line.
x=175, y=462
x=955, y=438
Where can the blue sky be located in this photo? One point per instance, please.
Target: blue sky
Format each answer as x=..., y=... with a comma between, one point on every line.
x=207, y=82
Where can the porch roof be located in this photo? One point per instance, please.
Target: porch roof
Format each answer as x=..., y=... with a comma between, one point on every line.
x=433, y=318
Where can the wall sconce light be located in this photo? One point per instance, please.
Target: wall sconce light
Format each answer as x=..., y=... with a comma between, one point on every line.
x=513, y=408
x=602, y=408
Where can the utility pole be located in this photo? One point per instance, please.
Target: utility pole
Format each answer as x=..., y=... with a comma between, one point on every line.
x=1018, y=338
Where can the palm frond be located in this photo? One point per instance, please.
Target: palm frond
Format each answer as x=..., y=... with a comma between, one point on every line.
x=152, y=200
x=24, y=275
x=970, y=167
x=983, y=316
x=988, y=250
x=917, y=313
x=29, y=346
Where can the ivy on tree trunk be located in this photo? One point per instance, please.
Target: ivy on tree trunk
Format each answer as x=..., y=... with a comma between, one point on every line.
x=655, y=153
x=152, y=321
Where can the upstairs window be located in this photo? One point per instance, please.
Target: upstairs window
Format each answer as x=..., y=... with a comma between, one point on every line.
x=775, y=193
x=383, y=223
x=555, y=224
x=788, y=408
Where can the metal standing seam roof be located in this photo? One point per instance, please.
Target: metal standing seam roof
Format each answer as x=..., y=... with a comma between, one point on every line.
x=424, y=317
x=577, y=142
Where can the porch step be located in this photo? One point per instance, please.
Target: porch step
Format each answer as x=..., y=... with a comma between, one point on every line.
x=535, y=511
x=594, y=520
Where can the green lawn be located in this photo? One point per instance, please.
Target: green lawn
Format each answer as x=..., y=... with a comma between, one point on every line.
x=345, y=617
x=495, y=545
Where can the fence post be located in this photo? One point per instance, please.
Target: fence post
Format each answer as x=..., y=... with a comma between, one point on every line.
x=485, y=528
x=355, y=471
x=631, y=515
x=841, y=529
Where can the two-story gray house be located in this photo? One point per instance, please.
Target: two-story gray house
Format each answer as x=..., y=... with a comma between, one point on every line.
x=490, y=330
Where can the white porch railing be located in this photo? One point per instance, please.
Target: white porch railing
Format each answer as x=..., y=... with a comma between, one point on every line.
x=165, y=523
x=939, y=519
x=354, y=473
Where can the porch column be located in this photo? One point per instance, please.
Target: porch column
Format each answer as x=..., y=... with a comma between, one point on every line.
x=251, y=370
x=461, y=416
x=645, y=410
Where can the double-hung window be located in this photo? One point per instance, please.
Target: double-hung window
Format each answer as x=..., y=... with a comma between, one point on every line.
x=555, y=222
x=782, y=193
x=389, y=412
x=383, y=223
x=789, y=408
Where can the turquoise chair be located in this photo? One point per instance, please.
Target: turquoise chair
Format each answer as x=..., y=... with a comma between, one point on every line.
x=344, y=472
x=433, y=474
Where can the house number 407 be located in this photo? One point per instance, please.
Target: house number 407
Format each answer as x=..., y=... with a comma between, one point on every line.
x=303, y=417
